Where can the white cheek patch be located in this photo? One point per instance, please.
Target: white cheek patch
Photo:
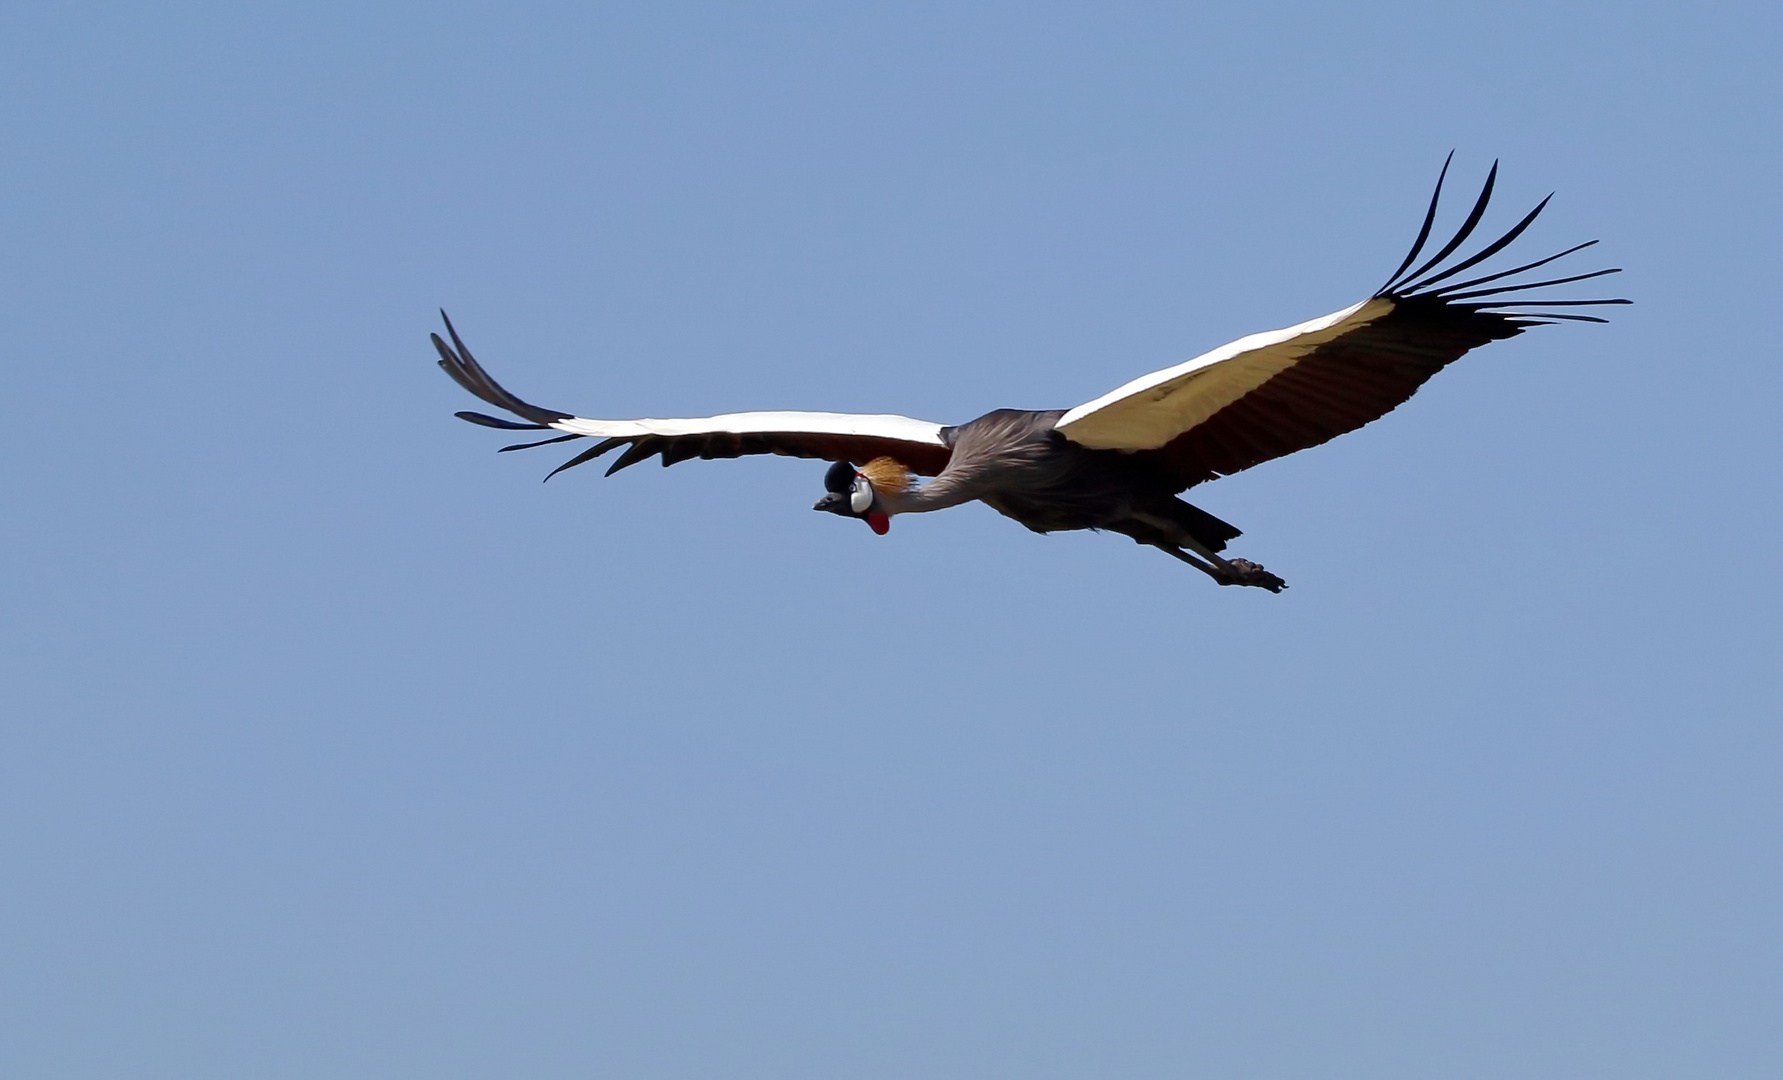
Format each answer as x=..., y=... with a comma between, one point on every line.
x=860, y=496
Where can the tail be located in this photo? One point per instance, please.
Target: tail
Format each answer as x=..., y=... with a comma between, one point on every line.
x=1203, y=526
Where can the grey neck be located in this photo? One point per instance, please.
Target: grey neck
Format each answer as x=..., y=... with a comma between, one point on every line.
x=938, y=494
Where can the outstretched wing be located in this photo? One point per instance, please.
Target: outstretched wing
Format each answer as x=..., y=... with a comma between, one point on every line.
x=1268, y=395
x=851, y=437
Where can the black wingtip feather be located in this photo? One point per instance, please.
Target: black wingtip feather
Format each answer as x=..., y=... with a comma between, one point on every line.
x=458, y=362
x=497, y=422
x=541, y=442
x=1486, y=252
x=585, y=456
x=1544, y=303
x=640, y=449
x=1460, y=237
x=1416, y=286
x=1447, y=289
x=1429, y=220
x=1446, y=295
x=1531, y=318
x=450, y=365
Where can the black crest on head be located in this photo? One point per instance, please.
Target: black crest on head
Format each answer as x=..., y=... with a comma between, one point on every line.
x=839, y=479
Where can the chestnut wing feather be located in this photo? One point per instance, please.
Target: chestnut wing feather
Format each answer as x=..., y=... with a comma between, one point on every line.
x=1269, y=395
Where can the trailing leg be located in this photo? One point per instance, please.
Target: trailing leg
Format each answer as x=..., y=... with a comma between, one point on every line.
x=1231, y=571
x=1169, y=535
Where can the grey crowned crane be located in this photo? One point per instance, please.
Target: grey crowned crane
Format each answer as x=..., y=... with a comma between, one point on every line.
x=1119, y=462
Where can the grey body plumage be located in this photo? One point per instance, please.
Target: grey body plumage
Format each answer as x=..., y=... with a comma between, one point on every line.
x=1016, y=462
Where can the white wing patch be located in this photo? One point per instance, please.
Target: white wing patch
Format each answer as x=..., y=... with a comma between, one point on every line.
x=1153, y=409
x=880, y=426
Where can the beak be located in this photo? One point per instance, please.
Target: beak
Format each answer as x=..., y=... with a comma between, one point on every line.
x=834, y=503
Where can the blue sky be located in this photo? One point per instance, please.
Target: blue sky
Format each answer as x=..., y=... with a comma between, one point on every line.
x=335, y=744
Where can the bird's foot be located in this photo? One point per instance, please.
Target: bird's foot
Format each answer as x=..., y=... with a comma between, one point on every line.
x=1245, y=572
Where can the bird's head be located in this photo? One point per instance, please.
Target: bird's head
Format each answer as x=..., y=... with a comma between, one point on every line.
x=851, y=493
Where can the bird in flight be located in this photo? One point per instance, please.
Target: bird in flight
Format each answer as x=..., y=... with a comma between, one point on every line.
x=1119, y=462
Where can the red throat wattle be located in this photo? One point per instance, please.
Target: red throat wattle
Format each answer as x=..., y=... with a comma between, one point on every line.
x=881, y=523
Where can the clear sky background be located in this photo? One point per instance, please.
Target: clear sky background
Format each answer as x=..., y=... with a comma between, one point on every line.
x=336, y=745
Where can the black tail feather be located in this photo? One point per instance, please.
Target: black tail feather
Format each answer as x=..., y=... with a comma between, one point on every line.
x=1203, y=526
